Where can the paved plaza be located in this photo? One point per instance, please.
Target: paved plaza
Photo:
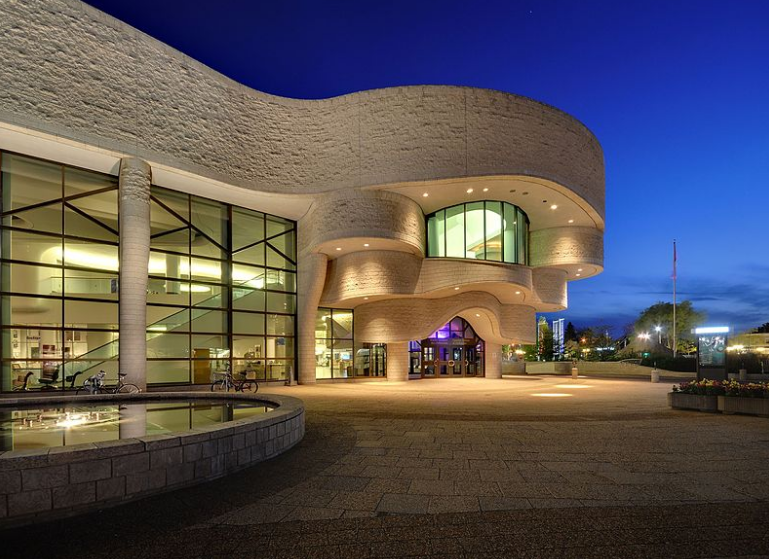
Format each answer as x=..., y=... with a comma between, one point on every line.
x=520, y=467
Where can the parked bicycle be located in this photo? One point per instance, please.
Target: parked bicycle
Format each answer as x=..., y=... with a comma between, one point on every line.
x=225, y=382
x=95, y=385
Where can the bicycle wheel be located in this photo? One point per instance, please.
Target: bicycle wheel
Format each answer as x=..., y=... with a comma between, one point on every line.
x=128, y=389
x=249, y=386
x=218, y=386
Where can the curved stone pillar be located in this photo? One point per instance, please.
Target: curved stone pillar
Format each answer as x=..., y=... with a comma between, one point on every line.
x=398, y=361
x=493, y=365
x=134, y=191
x=311, y=275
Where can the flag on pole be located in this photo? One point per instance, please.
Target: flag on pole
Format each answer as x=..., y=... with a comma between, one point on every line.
x=674, y=260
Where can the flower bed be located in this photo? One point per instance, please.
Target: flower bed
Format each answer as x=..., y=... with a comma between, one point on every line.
x=730, y=396
x=699, y=402
x=746, y=405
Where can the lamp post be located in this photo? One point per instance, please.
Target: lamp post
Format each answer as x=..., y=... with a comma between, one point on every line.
x=659, y=334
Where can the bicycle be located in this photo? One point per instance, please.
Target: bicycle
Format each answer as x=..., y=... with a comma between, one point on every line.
x=227, y=382
x=95, y=385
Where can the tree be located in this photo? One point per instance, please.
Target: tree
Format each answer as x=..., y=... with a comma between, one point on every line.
x=763, y=329
x=570, y=335
x=661, y=315
x=545, y=341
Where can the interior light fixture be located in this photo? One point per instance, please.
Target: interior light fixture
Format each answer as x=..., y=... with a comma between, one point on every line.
x=365, y=244
x=554, y=207
x=476, y=314
x=425, y=195
x=469, y=190
x=579, y=269
x=485, y=189
x=338, y=248
x=517, y=292
x=571, y=221
x=456, y=289
x=578, y=275
x=365, y=298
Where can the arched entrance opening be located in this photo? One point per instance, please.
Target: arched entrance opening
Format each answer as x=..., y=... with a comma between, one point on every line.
x=453, y=350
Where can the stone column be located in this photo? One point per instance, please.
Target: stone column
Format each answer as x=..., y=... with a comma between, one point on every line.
x=398, y=361
x=134, y=189
x=493, y=365
x=311, y=275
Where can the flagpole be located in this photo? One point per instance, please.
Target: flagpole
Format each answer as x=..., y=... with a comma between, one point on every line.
x=675, y=343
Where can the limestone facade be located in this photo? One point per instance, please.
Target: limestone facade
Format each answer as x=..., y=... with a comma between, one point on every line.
x=358, y=174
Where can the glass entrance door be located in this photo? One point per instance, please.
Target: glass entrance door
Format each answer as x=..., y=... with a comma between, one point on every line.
x=450, y=352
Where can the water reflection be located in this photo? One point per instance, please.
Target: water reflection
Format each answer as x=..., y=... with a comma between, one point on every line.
x=70, y=424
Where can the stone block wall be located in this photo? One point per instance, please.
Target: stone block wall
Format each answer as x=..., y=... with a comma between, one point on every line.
x=43, y=484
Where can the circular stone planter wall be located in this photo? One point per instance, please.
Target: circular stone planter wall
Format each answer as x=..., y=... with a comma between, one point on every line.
x=47, y=483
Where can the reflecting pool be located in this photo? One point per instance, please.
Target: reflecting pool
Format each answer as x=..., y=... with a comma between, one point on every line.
x=65, y=424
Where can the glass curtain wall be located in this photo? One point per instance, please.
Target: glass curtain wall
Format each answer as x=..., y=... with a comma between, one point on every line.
x=484, y=230
x=222, y=291
x=333, y=343
x=58, y=273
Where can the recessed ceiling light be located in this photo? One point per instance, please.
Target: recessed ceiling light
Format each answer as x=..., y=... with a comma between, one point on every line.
x=425, y=195
x=456, y=289
x=476, y=314
x=365, y=298
x=578, y=275
x=338, y=248
x=579, y=269
x=517, y=292
x=554, y=207
x=485, y=189
x=469, y=190
x=365, y=244
x=571, y=221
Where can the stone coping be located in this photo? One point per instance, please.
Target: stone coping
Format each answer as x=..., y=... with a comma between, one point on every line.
x=42, y=484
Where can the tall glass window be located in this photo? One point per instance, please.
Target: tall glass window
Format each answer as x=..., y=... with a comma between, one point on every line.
x=337, y=355
x=58, y=273
x=484, y=230
x=333, y=343
x=222, y=291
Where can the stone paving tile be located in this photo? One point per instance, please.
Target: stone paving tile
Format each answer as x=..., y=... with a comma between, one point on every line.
x=312, y=513
x=460, y=475
x=382, y=486
x=399, y=503
x=355, y=500
x=453, y=503
x=431, y=487
x=345, y=483
x=503, y=503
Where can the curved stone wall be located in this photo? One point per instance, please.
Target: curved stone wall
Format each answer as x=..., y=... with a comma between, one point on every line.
x=74, y=72
x=364, y=214
x=45, y=484
x=398, y=320
x=564, y=246
x=389, y=274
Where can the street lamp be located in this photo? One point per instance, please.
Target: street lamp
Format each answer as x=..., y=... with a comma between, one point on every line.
x=659, y=334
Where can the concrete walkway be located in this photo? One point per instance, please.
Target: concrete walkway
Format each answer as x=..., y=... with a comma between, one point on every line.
x=523, y=467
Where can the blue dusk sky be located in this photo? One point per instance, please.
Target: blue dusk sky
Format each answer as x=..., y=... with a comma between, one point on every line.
x=677, y=92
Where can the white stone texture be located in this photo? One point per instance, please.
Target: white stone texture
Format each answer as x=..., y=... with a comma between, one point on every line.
x=134, y=208
x=397, y=361
x=561, y=246
x=493, y=360
x=75, y=72
x=365, y=214
x=398, y=320
x=550, y=288
x=311, y=274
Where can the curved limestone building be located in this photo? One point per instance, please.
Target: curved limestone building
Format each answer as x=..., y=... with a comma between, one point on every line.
x=159, y=218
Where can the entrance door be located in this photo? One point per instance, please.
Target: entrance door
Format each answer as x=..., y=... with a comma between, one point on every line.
x=450, y=352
